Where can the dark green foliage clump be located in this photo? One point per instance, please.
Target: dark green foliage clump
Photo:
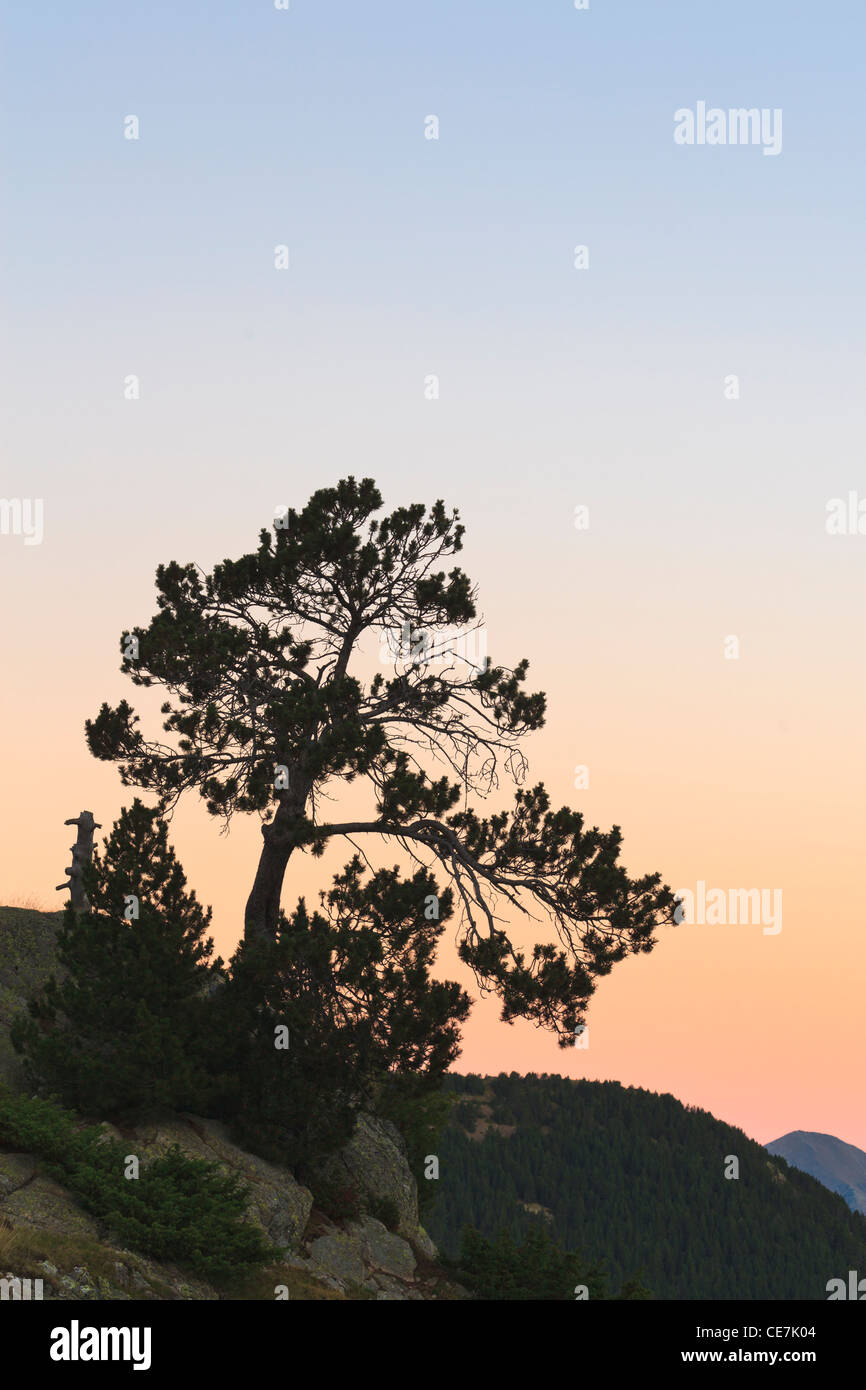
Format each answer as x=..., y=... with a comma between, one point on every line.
x=341, y=1201
x=349, y=989
x=637, y=1179
x=289, y=1104
x=262, y=666
x=533, y=1269
x=179, y=1209
x=419, y=1108
x=120, y=1032
x=471, y=1085
x=385, y=1209
x=339, y=1012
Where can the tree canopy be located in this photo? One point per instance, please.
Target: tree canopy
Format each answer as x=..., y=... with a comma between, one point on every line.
x=268, y=707
x=119, y=1029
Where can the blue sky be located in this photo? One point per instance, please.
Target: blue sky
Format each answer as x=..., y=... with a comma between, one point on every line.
x=261, y=127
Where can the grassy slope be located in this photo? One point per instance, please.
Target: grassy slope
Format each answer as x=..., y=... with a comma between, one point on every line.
x=26, y=958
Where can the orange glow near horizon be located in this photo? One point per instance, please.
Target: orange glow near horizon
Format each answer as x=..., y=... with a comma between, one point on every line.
x=736, y=773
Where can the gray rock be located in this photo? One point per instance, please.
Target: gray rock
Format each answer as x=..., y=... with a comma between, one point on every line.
x=424, y=1245
x=42, y=1205
x=16, y=1170
x=384, y=1250
x=277, y=1203
x=375, y=1163
x=390, y=1291
x=339, y=1256
x=331, y=1283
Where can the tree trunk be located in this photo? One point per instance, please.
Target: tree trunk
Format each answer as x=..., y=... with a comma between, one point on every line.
x=82, y=853
x=261, y=916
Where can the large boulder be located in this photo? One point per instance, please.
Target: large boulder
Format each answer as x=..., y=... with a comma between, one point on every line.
x=339, y=1255
x=374, y=1165
x=16, y=1170
x=366, y=1255
x=277, y=1203
x=382, y=1250
x=37, y=1203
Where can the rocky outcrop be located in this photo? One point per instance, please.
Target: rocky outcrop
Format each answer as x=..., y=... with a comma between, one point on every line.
x=364, y=1259
x=374, y=1168
x=45, y=1234
x=75, y=1258
x=278, y=1204
x=30, y=1198
x=366, y=1254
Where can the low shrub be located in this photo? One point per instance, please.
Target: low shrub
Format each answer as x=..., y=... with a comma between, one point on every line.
x=179, y=1209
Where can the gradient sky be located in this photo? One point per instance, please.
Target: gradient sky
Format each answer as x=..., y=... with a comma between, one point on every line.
x=558, y=387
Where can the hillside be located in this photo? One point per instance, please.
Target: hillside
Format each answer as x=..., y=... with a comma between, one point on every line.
x=631, y=1179
x=47, y=1233
x=26, y=957
x=637, y=1179
x=839, y=1166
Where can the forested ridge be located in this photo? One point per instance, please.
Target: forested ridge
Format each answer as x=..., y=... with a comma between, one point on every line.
x=636, y=1181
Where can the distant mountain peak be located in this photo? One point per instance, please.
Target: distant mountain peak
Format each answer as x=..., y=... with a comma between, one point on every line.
x=836, y=1164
